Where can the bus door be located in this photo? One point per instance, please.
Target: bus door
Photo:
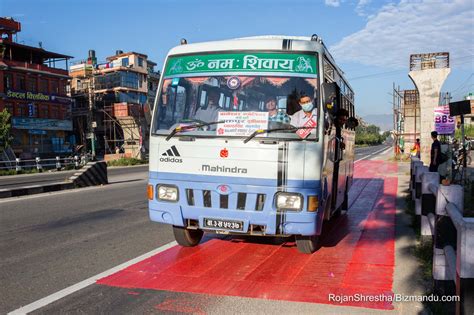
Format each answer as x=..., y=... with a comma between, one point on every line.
x=339, y=178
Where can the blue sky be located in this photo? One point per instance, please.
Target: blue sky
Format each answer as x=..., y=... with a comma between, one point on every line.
x=371, y=40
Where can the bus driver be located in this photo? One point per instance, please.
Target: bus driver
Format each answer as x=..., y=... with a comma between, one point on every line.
x=211, y=112
x=307, y=112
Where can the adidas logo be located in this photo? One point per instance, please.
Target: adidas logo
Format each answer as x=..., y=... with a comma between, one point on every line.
x=172, y=152
x=170, y=156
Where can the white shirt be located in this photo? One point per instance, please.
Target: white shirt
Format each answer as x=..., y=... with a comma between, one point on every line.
x=299, y=118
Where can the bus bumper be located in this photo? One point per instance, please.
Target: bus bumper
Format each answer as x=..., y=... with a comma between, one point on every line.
x=268, y=221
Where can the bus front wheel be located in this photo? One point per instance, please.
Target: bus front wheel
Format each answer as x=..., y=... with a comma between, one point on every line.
x=307, y=244
x=185, y=237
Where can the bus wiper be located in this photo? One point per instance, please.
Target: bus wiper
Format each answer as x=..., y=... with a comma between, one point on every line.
x=260, y=131
x=192, y=126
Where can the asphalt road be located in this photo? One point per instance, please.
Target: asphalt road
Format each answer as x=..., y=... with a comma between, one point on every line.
x=49, y=242
x=363, y=153
x=114, y=174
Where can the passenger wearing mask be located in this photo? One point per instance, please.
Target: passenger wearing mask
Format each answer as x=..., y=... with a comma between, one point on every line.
x=308, y=112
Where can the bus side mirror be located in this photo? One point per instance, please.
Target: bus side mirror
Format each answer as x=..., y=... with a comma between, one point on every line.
x=330, y=96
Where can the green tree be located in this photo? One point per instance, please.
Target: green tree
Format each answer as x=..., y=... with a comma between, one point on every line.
x=5, y=127
x=369, y=135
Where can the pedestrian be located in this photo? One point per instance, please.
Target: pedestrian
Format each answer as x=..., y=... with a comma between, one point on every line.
x=417, y=148
x=435, y=154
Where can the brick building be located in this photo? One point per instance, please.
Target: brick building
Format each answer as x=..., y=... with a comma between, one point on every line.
x=113, y=102
x=33, y=88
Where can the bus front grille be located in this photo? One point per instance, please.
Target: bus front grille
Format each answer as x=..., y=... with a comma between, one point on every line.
x=236, y=200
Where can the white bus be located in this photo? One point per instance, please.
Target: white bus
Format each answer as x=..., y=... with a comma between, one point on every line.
x=226, y=152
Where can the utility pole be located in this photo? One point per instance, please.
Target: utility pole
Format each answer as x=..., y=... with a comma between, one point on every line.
x=90, y=117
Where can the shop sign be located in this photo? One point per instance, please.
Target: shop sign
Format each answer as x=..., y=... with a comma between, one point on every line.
x=38, y=123
x=30, y=96
x=37, y=132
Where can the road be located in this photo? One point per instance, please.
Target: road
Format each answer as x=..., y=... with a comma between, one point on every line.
x=114, y=173
x=49, y=242
x=364, y=153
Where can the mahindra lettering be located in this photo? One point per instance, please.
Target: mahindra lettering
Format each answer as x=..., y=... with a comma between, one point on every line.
x=251, y=136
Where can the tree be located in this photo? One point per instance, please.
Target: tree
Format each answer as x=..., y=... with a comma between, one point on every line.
x=369, y=135
x=5, y=127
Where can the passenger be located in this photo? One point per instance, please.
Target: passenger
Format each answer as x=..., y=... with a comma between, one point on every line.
x=292, y=105
x=341, y=117
x=435, y=152
x=308, y=112
x=274, y=115
x=211, y=112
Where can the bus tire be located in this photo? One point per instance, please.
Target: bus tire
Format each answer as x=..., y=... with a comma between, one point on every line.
x=186, y=237
x=307, y=244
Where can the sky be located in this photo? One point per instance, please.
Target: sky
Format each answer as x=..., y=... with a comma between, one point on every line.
x=371, y=40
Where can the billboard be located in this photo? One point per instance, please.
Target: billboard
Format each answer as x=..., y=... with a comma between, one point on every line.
x=444, y=123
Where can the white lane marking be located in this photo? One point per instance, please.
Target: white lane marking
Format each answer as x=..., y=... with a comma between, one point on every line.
x=81, y=285
x=374, y=153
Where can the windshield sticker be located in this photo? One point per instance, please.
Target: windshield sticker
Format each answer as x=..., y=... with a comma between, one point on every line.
x=303, y=133
x=255, y=62
x=233, y=83
x=241, y=123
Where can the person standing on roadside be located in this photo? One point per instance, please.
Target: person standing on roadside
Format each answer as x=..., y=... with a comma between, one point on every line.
x=435, y=156
x=417, y=148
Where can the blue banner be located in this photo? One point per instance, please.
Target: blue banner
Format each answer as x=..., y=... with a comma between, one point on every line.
x=38, y=123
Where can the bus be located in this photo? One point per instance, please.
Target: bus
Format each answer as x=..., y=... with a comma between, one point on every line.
x=219, y=160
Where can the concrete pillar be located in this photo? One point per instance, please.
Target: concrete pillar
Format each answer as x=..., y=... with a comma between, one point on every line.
x=429, y=83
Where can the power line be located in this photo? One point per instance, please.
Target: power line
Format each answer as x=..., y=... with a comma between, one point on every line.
x=376, y=74
x=462, y=84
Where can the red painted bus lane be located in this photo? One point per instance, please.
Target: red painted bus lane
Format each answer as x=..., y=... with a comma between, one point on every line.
x=355, y=261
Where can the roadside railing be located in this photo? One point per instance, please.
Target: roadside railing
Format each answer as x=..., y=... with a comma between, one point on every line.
x=58, y=163
x=439, y=211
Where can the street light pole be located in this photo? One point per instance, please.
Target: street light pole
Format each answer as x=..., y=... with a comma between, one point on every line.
x=90, y=120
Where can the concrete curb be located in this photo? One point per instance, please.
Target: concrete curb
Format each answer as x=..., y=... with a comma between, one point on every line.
x=92, y=174
x=35, y=189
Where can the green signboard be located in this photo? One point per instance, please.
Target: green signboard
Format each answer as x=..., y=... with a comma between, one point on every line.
x=242, y=62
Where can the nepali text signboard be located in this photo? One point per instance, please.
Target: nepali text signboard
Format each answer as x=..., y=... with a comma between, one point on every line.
x=305, y=64
x=444, y=124
x=43, y=124
x=30, y=96
x=241, y=123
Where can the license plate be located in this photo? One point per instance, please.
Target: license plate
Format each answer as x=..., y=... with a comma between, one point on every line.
x=223, y=224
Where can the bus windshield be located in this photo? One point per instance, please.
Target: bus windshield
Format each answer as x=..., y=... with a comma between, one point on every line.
x=241, y=104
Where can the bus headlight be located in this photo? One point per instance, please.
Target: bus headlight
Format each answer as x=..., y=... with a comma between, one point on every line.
x=167, y=193
x=289, y=201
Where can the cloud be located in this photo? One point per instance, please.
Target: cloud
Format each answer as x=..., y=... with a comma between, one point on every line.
x=361, y=6
x=409, y=27
x=332, y=3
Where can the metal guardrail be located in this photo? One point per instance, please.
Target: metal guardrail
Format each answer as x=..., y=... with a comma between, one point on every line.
x=441, y=217
x=39, y=164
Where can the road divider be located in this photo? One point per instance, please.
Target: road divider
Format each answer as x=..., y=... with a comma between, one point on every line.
x=92, y=174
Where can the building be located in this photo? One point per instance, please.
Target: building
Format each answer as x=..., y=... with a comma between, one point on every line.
x=33, y=88
x=113, y=102
x=469, y=118
x=411, y=120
